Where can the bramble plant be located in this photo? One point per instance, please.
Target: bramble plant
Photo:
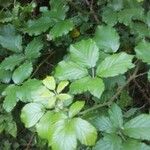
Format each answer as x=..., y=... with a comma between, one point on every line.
x=75, y=74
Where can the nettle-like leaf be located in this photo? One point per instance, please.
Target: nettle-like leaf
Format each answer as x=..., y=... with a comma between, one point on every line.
x=138, y=127
x=67, y=70
x=36, y=27
x=127, y=15
x=31, y=113
x=107, y=38
x=116, y=116
x=53, y=20
x=114, y=65
x=143, y=51
x=61, y=28
x=9, y=63
x=109, y=16
x=93, y=85
x=22, y=72
x=116, y=5
x=85, y=53
x=130, y=144
x=104, y=124
x=32, y=50
x=109, y=142
x=9, y=39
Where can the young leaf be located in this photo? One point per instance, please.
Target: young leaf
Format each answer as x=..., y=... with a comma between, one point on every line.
x=50, y=82
x=94, y=85
x=85, y=132
x=31, y=114
x=109, y=142
x=9, y=63
x=64, y=97
x=138, y=127
x=32, y=50
x=67, y=70
x=85, y=53
x=61, y=86
x=75, y=108
x=107, y=38
x=143, y=51
x=116, y=116
x=9, y=39
x=61, y=28
x=114, y=65
x=22, y=72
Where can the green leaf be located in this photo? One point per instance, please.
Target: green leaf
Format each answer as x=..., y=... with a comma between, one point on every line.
x=107, y=38
x=76, y=108
x=61, y=86
x=143, y=51
x=149, y=75
x=126, y=16
x=36, y=27
x=116, y=5
x=85, y=132
x=109, y=16
x=148, y=18
x=116, y=116
x=5, y=76
x=5, y=16
x=43, y=127
x=32, y=50
x=64, y=97
x=114, y=65
x=9, y=63
x=50, y=82
x=12, y=128
x=94, y=85
x=28, y=89
x=85, y=53
x=64, y=137
x=11, y=98
x=22, y=72
x=9, y=39
x=104, y=124
x=138, y=127
x=131, y=144
x=31, y=114
x=61, y=28
x=109, y=142
x=67, y=70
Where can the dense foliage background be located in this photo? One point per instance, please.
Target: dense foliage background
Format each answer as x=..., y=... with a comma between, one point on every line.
x=75, y=74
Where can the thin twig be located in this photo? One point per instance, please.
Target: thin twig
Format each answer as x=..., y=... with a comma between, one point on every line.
x=119, y=90
x=29, y=143
x=36, y=70
x=92, y=11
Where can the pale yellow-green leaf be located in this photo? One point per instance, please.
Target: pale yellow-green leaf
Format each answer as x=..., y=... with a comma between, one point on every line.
x=62, y=85
x=49, y=82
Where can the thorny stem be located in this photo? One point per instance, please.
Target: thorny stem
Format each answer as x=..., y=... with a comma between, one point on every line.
x=119, y=90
